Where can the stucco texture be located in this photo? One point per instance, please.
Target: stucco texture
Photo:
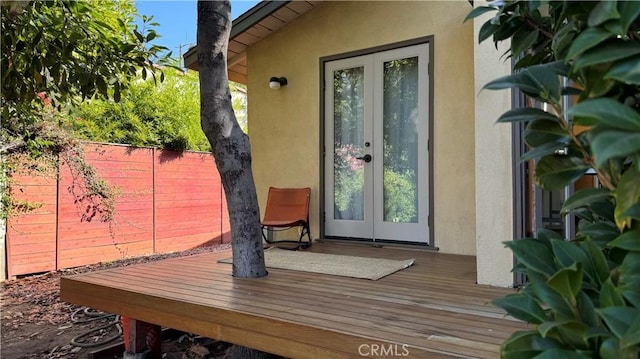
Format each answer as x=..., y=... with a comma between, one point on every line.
x=285, y=125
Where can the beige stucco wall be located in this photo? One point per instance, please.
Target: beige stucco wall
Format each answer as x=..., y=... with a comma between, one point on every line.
x=284, y=125
x=494, y=172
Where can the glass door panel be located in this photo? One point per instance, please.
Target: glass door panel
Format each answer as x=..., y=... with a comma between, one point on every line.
x=348, y=134
x=400, y=140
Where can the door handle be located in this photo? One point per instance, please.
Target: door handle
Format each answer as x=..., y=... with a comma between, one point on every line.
x=366, y=158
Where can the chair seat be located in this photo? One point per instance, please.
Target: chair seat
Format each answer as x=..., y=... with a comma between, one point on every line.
x=281, y=223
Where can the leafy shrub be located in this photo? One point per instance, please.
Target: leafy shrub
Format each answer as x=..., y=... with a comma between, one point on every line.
x=163, y=114
x=400, y=203
x=583, y=293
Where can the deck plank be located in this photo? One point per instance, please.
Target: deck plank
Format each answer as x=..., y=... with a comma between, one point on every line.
x=434, y=307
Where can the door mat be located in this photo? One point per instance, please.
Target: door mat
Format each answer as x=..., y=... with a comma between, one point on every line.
x=333, y=264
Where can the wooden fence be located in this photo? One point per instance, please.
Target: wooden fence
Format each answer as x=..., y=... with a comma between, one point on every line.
x=165, y=201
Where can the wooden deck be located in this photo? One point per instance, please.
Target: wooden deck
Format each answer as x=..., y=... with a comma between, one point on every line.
x=433, y=309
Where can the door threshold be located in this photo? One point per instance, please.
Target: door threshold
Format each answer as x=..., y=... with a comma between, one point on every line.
x=379, y=243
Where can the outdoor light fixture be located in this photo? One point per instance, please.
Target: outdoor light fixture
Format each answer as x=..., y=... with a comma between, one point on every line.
x=276, y=82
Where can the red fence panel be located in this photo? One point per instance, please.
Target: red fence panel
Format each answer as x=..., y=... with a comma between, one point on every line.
x=188, y=202
x=83, y=239
x=31, y=236
x=165, y=201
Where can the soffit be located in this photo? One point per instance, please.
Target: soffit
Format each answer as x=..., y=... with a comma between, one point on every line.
x=259, y=22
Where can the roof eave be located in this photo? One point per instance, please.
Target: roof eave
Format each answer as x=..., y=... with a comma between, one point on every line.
x=239, y=25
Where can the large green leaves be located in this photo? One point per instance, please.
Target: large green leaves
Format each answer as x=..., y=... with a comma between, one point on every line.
x=584, y=197
x=627, y=71
x=606, y=111
x=540, y=81
x=555, y=172
x=610, y=144
x=612, y=51
x=587, y=40
x=567, y=282
x=521, y=307
x=627, y=195
x=525, y=114
x=543, y=132
x=587, y=286
x=534, y=254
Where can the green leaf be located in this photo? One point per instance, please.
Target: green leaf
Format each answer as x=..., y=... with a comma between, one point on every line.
x=562, y=38
x=610, y=349
x=527, y=114
x=608, y=111
x=568, y=253
x=546, y=149
x=588, y=39
x=521, y=307
x=606, y=145
x=567, y=281
x=604, y=209
x=486, y=31
x=521, y=345
x=603, y=12
x=595, y=83
x=534, y=254
x=612, y=51
x=609, y=296
x=539, y=81
x=628, y=240
x=561, y=353
x=477, y=11
x=540, y=132
x=555, y=172
x=629, y=11
x=547, y=235
x=523, y=40
x=627, y=194
x=557, y=304
x=618, y=319
x=102, y=86
x=600, y=232
x=583, y=198
x=151, y=35
x=627, y=71
x=587, y=310
x=632, y=336
x=570, y=332
x=598, y=260
x=516, y=80
x=633, y=212
x=546, y=79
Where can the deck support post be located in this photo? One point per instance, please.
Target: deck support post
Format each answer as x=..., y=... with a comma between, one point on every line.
x=142, y=340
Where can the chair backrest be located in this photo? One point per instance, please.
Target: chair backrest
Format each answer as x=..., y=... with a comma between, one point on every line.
x=287, y=204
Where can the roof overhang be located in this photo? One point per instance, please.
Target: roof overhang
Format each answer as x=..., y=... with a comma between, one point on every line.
x=252, y=26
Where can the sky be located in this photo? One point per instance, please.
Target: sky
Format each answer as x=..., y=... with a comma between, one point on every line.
x=177, y=19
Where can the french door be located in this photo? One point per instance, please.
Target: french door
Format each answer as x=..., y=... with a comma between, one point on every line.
x=376, y=146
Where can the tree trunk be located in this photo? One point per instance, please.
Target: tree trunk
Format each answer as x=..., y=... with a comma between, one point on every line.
x=229, y=144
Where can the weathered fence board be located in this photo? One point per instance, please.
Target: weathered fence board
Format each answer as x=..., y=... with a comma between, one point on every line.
x=31, y=236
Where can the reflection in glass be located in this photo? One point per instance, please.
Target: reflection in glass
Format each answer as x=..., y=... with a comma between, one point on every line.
x=348, y=177
x=400, y=137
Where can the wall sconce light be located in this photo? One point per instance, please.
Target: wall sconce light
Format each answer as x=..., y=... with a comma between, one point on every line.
x=276, y=82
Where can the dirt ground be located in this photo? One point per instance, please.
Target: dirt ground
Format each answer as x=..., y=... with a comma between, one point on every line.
x=35, y=324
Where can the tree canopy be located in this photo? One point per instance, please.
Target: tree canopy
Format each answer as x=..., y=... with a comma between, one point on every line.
x=61, y=51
